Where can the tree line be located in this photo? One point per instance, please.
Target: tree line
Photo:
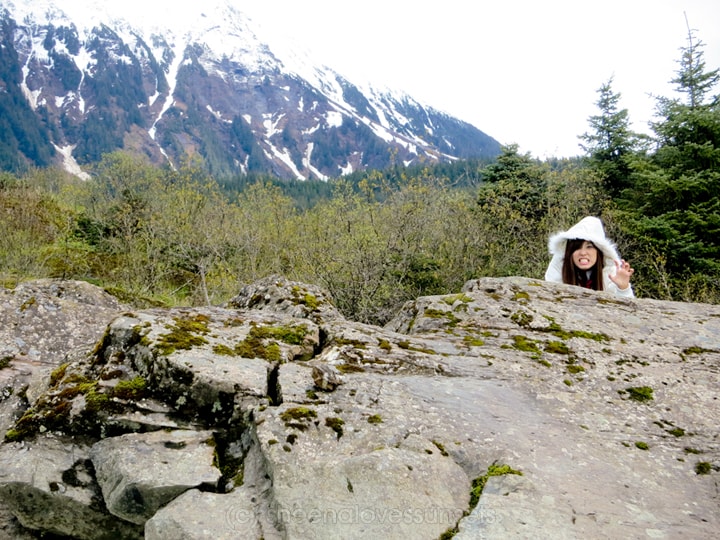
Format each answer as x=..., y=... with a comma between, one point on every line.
x=162, y=236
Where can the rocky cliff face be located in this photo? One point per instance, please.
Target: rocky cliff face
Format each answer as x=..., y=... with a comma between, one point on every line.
x=514, y=408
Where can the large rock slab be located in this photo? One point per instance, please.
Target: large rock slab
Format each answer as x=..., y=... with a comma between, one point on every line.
x=41, y=321
x=197, y=514
x=42, y=324
x=141, y=472
x=50, y=486
x=604, y=410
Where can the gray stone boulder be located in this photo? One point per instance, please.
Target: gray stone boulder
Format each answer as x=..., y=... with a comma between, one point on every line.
x=197, y=514
x=139, y=473
x=43, y=324
x=49, y=486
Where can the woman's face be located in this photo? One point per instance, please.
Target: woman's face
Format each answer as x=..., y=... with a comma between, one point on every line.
x=585, y=256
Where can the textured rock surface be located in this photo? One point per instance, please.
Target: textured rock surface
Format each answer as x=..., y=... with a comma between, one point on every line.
x=49, y=486
x=604, y=409
x=180, y=459
x=43, y=324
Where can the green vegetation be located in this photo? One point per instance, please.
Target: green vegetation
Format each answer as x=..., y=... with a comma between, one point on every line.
x=298, y=417
x=521, y=318
x=478, y=485
x=350, y=368
x=575, y=369
x=523, y=343
x=555, y=329
x=642, y=445
x=376, y=239
x=441, y=447
x=183, y=334
x=640, y=393
x=260, y=342
x=336, y=425
x=132, y=389
x=557, y=347
x=473, y=341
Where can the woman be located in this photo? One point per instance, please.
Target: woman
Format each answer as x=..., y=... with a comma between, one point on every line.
x=583, y=256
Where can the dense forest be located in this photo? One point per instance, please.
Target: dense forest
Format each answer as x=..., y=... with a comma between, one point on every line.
x=159, y=236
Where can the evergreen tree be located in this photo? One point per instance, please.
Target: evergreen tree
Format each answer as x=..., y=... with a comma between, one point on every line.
x=516, y=183
x=675, y=203
x=612, y=142
x=513, y=199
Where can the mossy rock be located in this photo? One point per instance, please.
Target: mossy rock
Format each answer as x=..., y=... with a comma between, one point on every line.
x=185, y=333
x=336, y=424
x=640, y=393
x=298, y=417
x=133, y=389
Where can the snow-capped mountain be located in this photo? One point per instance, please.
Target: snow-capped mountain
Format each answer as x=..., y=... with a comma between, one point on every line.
x=79, y=78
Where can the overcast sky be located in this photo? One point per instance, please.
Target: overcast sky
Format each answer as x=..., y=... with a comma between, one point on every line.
x=522, y=71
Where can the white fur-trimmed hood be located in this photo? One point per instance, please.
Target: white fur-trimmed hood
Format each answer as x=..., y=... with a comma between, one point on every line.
x=589, y=228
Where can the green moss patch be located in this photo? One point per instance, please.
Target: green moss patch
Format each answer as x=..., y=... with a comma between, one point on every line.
x=292, y=335
x=575, y=369
x=522, y=343
x=223, y=350
x=58, y=373
x=350, y=368
x=478, y=484
x=473, y=341
x=698, y=350
x=301, y=297
x=298, y=417
x=440, y=447
x=262, y=342
x=449, y=316
x=407, y=346
x=453, y=298
x=521, y=318
x=336, y=425
x=557, y=347
x=253, y=346
x=555, y=329
x=639, y=393
x=185, y=333
x=133, y=389
x=355, y=343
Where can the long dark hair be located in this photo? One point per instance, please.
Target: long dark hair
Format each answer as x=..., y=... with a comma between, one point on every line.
x=573, y=276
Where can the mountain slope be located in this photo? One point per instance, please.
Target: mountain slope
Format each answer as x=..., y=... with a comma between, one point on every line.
x=90, y=77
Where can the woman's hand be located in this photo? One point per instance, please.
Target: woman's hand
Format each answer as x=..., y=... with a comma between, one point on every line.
x=623, y=272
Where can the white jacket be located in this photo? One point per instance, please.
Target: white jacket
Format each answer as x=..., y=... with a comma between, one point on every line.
x=591, y=229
